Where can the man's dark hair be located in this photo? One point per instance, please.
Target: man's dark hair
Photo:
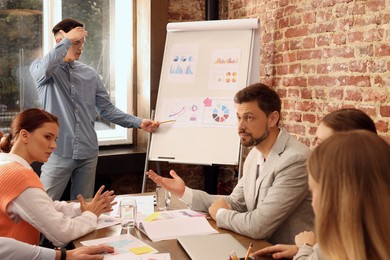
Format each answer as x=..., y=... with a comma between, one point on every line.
x=66, y=25
x=267, y=98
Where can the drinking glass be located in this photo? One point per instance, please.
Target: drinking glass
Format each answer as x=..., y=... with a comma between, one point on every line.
x=128, y=212
x=163, y=198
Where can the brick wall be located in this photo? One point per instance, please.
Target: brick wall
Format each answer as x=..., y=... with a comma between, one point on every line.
x=318, y=55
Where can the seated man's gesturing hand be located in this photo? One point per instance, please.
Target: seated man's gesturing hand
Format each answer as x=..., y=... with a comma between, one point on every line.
x=174, y=185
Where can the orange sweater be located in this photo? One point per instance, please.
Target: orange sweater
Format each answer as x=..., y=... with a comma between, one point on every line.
x=14, y=179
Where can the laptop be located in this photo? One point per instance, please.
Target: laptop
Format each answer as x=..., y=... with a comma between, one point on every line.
x=211, y=247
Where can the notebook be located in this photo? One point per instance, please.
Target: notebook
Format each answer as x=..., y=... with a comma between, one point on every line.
x=211, y=247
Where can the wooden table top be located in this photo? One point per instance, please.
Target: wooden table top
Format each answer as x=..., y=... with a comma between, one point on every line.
x=170, y=246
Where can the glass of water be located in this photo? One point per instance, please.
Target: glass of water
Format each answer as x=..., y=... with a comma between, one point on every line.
x=163, y=198
x=128, y=212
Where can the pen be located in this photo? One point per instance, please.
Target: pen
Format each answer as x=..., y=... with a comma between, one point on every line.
x=167, y=121
x=249, y=251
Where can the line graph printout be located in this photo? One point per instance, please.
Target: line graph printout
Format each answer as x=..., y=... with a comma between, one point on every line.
x=201, y=112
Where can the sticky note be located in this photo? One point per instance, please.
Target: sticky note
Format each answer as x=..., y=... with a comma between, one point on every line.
x=151, y=217
x=141, y=250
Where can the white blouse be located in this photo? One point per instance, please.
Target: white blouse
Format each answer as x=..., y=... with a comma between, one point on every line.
x=59, y=221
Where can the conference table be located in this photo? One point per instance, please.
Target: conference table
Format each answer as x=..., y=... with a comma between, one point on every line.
x=170, y=246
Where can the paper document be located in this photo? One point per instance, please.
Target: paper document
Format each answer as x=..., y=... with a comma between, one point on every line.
x=175, y=223
x=106, y=221
x=126, y=245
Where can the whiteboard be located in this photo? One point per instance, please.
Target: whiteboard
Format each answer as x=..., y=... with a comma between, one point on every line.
x=204, y=65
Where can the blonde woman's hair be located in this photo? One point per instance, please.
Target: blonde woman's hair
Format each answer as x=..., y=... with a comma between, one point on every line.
x=353, y=172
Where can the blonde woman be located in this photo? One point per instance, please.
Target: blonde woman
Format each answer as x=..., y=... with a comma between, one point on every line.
x=350, y=182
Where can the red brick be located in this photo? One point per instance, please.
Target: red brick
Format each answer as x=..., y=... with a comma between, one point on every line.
x=358, y=66
x=384, y=111
x=281, y=92
x=377, y=66
x=290, y=10
x=383, y=50
x=358, y=81
x=294, y=81
x=295, y=45
x=324, y=68
x=323, y=28
x=358, y=8
x=294, y=68
x=289, y=104
x=339, y=38
x=376, y=5
x=267, y=37
x=308, y=68
x=309, y=17
x=293, y=92
x=323, y=81
x=312, y=130
x=319, y=94
x=323, y=15
x=340, y=11
x=289, y=57
x=365, y=51
x=294, y=116
x=345, y=52
x=308, y=43
x=305, y=94
x=311, y=118
x=323, y=40
x=283, y=22
x=283, y=2
x=296, y=32
x=309, y=54
x=354, y=95
x=306, y=106
x=336, y=93
x=355, y=36
x=340, y=67
x=295, y=20
x=344, y=25
x=295, y=129
x=374, y=35
x=382, y=127
x=282, y=70
x=366, y=20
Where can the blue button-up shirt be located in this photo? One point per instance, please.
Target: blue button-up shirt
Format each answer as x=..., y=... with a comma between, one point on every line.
x=74, y=93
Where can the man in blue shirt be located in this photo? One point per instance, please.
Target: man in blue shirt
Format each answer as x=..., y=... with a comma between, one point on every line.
x=74, y=92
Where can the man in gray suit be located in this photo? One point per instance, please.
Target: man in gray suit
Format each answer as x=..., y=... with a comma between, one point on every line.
x=271, y=201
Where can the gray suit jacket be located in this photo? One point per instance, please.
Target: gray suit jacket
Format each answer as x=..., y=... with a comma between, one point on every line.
x=281, y=207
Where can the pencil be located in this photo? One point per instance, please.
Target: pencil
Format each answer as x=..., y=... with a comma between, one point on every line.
x=167, y=121
x=249, y=251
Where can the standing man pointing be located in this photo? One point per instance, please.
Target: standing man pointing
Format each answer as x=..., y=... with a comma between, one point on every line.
x=74, y=92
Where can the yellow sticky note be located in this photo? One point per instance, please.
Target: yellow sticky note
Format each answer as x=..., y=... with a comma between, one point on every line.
x=152, y=216
x=141, y=250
